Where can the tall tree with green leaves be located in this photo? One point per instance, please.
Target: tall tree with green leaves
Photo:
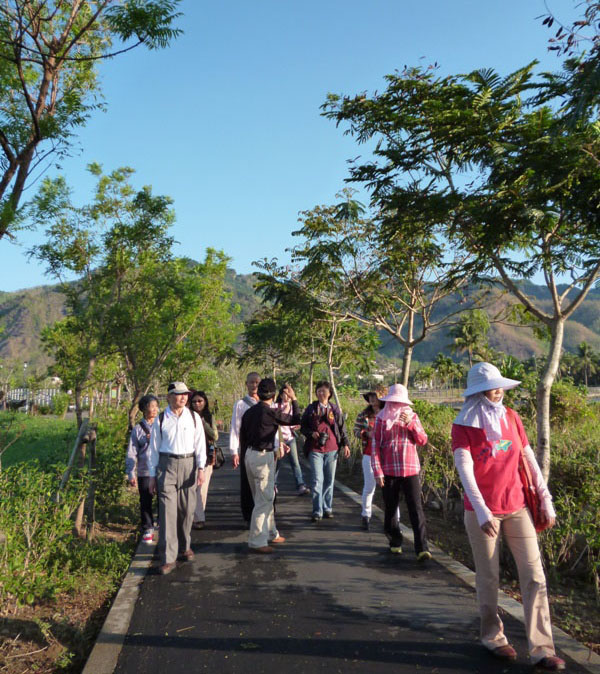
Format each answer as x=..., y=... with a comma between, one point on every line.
x=493, y=164
x=132, y=298
x=370, y=270
x=49, y=85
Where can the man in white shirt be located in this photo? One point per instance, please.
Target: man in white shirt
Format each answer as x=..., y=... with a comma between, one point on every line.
x=177, y=458
x=245, y=403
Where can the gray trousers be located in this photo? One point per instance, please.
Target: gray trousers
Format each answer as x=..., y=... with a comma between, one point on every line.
x=176, y=483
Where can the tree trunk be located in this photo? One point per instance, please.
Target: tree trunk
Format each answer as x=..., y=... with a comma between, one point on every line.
x=133, y=409
x=92, y=404
x=406, y=361
x=78, y=410
x=311, y=372
x=543, y=396
x=408, y=349
x=330, y=363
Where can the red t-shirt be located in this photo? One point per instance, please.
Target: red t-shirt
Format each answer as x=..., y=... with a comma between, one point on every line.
x=496, y=476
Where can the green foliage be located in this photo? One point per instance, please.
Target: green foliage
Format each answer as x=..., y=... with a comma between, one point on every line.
x=41, y=557
x=60, y=403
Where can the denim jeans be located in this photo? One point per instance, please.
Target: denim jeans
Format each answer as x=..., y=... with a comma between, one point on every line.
x=323, y=475
x=293, y=457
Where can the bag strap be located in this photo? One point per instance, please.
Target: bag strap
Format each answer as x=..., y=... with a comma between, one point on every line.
x=161, y=418
x=524, y=464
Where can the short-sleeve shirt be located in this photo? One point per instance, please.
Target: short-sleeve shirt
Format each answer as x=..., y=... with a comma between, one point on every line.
x=496, y=476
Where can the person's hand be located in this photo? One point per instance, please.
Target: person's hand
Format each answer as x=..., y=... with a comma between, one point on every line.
x=406, y=416
x=549, y=521
x=315, y=435
x=200, y=480
x=235, y=460
x=152, y=485
x=346, y=452
x=290, y=392
x=132, y=482
x=380, y=481
x=490, y=528
x=286, y=448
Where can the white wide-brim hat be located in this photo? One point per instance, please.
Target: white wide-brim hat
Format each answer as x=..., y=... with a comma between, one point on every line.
x=397, y=394
x=485, y=377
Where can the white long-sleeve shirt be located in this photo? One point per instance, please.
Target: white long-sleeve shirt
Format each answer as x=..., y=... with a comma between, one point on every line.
x=178, y=436
x=236, y=422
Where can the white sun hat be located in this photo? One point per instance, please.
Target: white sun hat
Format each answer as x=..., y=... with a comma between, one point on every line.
x=485, y=377
x=397, y=394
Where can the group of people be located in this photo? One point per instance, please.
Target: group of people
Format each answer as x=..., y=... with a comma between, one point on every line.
x=488, y=442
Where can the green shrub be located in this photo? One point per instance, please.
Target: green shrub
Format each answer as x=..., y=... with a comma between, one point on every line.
x=60, y=404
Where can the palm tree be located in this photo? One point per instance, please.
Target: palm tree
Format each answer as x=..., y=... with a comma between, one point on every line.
x=586, y=361
x=470, y=333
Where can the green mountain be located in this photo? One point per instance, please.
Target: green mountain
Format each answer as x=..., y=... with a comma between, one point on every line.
x=24, y=313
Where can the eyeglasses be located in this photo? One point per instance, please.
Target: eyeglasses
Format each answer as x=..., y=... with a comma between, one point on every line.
x=197, y=402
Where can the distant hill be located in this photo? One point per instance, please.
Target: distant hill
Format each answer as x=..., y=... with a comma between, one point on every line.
x=24, y=313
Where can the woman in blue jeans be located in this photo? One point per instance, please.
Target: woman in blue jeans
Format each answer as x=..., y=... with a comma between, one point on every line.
x=323, y=427
x=289, y=440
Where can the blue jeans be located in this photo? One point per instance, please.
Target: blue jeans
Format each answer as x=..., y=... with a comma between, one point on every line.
x=323, y=475
x=293, y=456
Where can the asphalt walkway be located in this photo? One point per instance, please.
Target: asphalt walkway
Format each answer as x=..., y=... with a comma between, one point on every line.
x=331, y=599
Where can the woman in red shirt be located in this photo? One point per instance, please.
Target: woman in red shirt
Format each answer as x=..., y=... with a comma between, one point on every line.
x=486, y=440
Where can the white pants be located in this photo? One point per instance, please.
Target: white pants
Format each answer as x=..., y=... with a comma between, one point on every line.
x=260, y=467
x=369, y=489
x=202, y=493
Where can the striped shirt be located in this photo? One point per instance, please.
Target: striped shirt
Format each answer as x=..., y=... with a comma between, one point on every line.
x=394, y=451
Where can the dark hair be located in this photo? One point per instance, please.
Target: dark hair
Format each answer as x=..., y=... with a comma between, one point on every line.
x=206, y=413
x=145, y=401
x=324, y=384
x=267, y=389
x=279, y=398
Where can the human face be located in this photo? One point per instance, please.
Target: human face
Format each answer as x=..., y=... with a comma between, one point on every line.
x=494, y=395
x=323, y=395
x=177, y=401
x=374, y=401
x=252, y=384
x=198, y=404
x=151, y=410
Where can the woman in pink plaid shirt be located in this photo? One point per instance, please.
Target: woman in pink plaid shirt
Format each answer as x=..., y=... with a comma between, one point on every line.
x=396, y=466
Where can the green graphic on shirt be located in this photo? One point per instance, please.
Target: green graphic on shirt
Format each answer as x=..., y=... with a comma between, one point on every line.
x=504, y=445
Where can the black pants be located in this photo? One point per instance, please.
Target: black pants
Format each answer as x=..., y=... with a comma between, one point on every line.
x=412, y=494
x=146, y=500
x=246, y=500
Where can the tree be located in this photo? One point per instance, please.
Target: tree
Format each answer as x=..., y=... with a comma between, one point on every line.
x=586, y=361
x=504, y=174
x=361, y=268
x=470, y=333
x=293, y=328
x=133, y=299
x=48, y=76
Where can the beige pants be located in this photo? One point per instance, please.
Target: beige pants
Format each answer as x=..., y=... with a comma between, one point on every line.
x=260, y=467
x=176, y=482
x=201, y=494
x=518, y=531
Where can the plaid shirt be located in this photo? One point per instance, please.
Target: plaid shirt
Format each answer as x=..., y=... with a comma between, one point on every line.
x=394, y=452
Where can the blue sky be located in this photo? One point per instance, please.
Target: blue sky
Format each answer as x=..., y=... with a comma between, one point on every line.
x=227, y=123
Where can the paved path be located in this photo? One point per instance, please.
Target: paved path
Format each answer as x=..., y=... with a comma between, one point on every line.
x=332, y=599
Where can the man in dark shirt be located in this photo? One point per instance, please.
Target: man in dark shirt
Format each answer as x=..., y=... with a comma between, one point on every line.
x=257, y=441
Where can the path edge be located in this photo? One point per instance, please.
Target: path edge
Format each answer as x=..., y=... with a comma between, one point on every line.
x=579, y=653
x=109, y=642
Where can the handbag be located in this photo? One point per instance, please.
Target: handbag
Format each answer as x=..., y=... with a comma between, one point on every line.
x=219, y=458
x=532, y=498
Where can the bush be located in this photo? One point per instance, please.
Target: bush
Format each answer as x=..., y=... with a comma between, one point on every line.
x=60, y=404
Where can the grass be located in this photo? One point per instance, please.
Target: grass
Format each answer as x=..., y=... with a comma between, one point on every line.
x=47, y=439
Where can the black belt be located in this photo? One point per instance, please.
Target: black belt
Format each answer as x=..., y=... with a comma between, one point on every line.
x=177, y=456
x=258, y=449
